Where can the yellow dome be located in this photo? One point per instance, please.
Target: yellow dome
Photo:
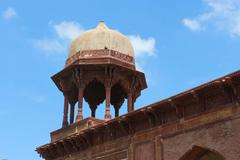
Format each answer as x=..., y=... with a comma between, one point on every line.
x=102, y=38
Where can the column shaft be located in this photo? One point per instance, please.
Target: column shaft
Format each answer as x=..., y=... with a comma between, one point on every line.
x=80, y=103
x=72, y=114
x=116, y=111
x=130, y=102
x=65, y=112
x=93, y=109
x=108, y=94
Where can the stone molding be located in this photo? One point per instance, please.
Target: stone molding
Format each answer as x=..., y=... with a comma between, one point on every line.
x=103, y=53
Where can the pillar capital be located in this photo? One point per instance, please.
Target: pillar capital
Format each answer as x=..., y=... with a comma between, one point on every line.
x=96, y=84
x=78, y=77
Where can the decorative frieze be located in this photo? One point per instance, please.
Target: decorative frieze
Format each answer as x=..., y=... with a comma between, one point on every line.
x=104, y=53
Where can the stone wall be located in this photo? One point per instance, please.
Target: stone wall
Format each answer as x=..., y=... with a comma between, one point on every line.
x=222, y=137
x=218, y=131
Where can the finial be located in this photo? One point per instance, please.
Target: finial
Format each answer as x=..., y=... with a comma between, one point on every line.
x=101, y=25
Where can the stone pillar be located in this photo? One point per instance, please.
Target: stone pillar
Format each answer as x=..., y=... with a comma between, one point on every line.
x=117, y=104
x=116, y=111
x=93, y=109
x=159, y=148
x=117, y=107
x=65, y=112
x=108, y=95
x=130, y=102
x=80, y=103
x=72, y=113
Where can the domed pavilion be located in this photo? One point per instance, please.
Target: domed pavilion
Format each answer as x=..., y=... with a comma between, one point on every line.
x=100, y=67
x=198, y=124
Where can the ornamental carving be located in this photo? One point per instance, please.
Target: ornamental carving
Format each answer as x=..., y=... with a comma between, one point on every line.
x=100, y=54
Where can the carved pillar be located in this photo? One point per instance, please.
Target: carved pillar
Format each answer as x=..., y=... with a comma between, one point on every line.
x=65, y=111
x=93, y=109
x=130, y=102
x=78, y=78
x=116, y=111
x=117, y=105
x=108, y=94
x=72, y=113
x=108, y=76
x=80, y=102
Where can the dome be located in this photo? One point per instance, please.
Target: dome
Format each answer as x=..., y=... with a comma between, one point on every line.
x=102, y=38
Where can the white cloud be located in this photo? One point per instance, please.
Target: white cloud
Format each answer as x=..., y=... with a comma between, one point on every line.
x=143, y=46
x=138, y=67
x=50, y=45
x=65, y=31
x=224, y=15
x=193, y=25
x=68, y=30
x=9, y=13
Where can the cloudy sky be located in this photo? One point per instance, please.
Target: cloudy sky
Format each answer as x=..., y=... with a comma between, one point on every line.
x=178, y=44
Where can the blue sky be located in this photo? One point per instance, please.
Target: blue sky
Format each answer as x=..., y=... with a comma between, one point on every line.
x=178, y=44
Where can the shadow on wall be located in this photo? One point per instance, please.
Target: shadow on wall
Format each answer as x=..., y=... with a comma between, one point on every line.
x=199, y=153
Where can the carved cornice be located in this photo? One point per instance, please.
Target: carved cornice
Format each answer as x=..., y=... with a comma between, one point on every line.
x=103, y=53
x=151, y=116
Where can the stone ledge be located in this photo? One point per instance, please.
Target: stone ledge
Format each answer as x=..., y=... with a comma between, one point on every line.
x=74, y=128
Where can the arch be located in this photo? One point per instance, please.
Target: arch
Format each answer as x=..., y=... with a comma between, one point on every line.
x=92, y=76
x=94, y=94
x=200, y=153
x=125, y=84
x=117, y=91
x=118, y=95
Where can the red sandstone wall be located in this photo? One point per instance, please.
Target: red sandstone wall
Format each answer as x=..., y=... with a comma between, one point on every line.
x=218, y=131
x=223, y=137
